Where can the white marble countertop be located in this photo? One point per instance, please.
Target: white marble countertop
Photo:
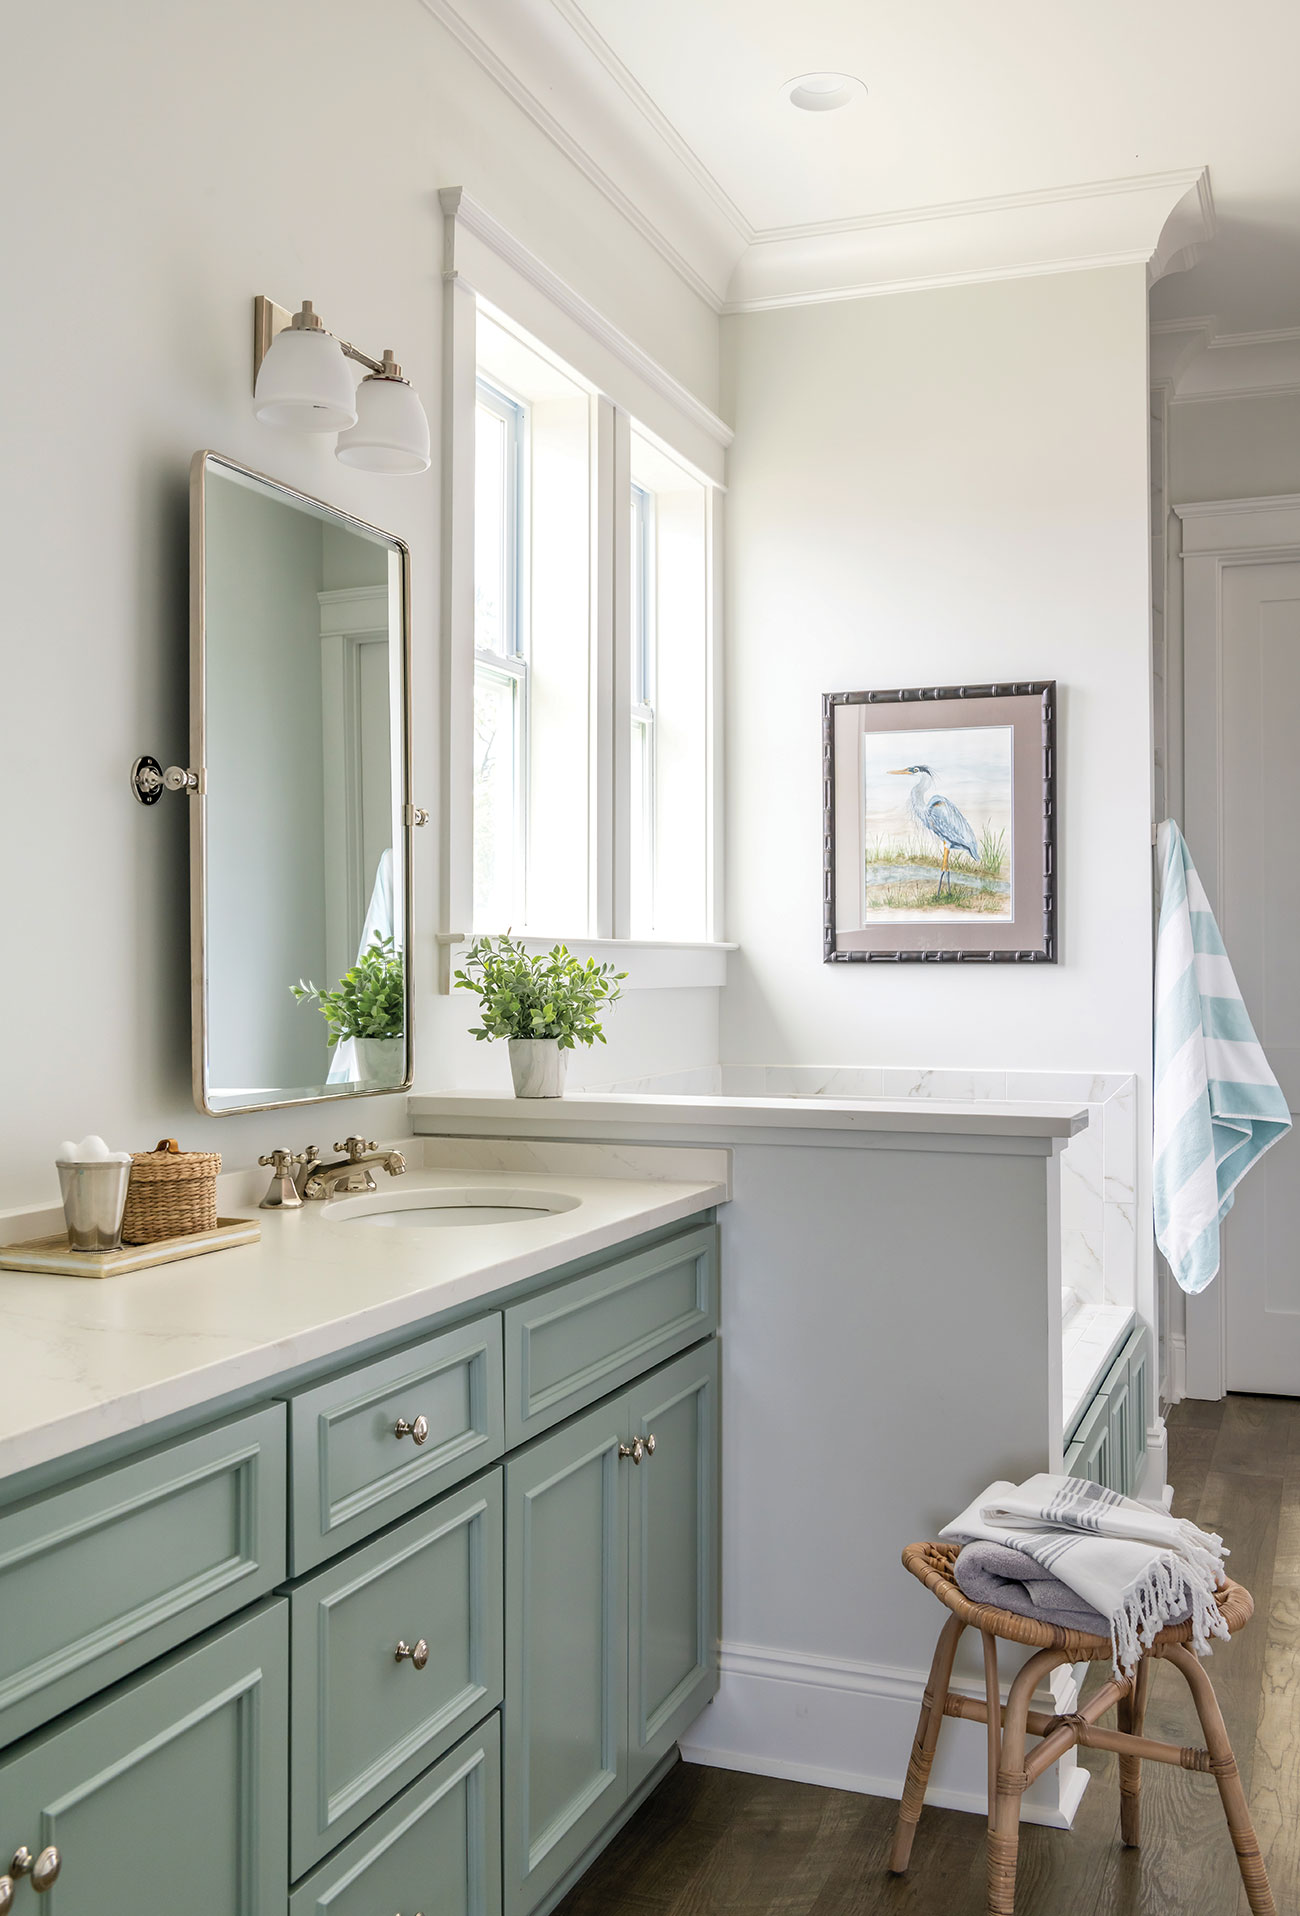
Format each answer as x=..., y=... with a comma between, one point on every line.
x=612, y=1112
x=92, y=1359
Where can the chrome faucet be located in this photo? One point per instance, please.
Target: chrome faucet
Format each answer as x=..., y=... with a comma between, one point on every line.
x=352, y=1173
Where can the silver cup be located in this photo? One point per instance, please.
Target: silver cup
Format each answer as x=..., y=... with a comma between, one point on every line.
x=94, y=1198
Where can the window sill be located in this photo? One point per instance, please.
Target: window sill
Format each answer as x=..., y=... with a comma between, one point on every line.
x=651, y=964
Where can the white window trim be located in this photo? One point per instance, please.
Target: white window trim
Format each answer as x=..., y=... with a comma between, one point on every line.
x=650, y=962
x=512, y=661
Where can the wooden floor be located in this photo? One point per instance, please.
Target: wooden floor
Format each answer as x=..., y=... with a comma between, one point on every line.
x=716, y=1843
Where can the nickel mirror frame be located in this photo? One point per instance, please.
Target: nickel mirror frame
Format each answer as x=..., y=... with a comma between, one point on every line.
x=403, y=811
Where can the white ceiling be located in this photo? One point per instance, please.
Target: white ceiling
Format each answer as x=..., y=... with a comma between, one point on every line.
x=964, y=103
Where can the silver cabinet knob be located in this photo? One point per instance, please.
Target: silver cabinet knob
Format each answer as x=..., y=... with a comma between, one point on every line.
x=419, y=1429
x=638, y=1448
x=650, y=1445
x=417, y=1651
x=6, y=1895
x=45, y=1870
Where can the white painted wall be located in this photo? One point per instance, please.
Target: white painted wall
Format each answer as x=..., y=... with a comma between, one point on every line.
x=927, y=489
x=174, y=162
x=1234, y=448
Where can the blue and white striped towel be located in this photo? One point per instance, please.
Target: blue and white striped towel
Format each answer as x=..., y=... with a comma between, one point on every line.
x=1218, y=1107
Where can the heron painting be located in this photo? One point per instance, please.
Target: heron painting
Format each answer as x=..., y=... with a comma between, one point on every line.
x=939, y=823
x=941, y=846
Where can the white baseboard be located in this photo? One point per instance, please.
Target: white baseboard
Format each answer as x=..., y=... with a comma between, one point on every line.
x=849, y=1726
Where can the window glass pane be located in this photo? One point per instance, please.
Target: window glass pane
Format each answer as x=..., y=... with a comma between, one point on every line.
x=642, y=846
x=496, y=798
x=491, y=530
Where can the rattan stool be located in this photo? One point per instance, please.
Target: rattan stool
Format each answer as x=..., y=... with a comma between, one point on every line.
x=1011, y=1771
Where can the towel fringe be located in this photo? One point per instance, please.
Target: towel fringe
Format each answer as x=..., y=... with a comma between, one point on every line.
x=1160, y=1598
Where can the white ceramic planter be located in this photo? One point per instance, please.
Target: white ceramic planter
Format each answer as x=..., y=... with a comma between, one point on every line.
x=537, y=1067
x=379, y=1061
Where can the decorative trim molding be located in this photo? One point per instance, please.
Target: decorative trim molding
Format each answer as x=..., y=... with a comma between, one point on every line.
x=1177, y=1367
x=851, y=1728
x=1199, y=363
x=450, y=16
x=461, y=210
x=1159, y=220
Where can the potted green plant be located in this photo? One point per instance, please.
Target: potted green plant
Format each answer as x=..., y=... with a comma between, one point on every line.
x=368, y=1005
x=543, y=1005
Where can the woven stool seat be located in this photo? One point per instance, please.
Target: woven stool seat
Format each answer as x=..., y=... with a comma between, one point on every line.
x=932, y=1564
x=1012, y=1768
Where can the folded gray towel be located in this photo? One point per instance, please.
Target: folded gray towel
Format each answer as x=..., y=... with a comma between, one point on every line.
x=1010, y=1580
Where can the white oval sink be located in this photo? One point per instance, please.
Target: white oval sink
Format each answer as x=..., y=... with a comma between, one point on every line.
x=444, y=1208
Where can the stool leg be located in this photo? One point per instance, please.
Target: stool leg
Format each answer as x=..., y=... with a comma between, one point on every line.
x=1224, y=1764
x=1004, y=1832
x=927, y=1735
x=1132, y=1715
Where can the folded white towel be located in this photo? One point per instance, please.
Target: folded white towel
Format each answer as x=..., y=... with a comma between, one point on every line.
x=1135, y=1565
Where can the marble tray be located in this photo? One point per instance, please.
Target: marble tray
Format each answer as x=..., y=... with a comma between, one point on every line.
x=55, y=1256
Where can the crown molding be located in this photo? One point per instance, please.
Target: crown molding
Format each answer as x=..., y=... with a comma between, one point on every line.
x=1196, y=363
x=1158, y=220
x=463, y=213
x=686, y=156
x=707, y=285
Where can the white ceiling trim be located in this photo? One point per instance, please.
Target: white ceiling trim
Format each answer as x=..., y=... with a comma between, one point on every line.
x=492, y=64
x=1195, y=362
x=1158, y=219
x=463, y=213
x=658, y=122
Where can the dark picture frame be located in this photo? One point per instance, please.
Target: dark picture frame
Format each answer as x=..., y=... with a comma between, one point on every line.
x=994, y=886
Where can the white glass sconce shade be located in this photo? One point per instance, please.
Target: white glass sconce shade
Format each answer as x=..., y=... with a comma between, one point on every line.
x=391, y=433
x=304, y=382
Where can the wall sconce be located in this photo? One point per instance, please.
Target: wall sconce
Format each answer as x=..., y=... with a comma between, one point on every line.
x=301, y=380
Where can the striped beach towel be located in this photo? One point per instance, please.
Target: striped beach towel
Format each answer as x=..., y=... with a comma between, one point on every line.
x=1136, y=1566
x=1218, y=1107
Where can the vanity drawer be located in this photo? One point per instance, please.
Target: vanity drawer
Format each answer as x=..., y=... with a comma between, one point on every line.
x=437, y=1848
x=364, y=1723
x=352, y=1472
x=105, y=1575
x=573, y=1344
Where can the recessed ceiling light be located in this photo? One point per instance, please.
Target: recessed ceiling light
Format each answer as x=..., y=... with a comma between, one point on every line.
x=822, y=92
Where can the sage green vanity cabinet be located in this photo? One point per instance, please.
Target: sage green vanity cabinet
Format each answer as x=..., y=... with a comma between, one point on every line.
x=409, y=1635
x=366, y=1721
x=169, y=1794
x=98, y=1578
x=1109, y=1444
x=437, y=1849
x=611, y=1612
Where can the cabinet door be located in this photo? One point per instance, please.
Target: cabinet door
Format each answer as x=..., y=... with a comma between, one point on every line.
x=1139, y=1388
x=1089, y=1455
x=673, y=1577
x=565, y=1764
x=170, y=1794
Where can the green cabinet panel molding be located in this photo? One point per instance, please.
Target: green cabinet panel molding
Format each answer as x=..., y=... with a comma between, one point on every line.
x=97, y=1579
x=567, y=1347
x=169, y=1794
x=1109, y=1445
x=365, y=1723
x=611, y=1612
x=673, y=1541
x=353, y=1472
x=566, y=1650
x=437, y=1849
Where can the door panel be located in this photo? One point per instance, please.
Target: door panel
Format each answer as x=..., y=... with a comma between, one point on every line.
x=566, y=1650
x=171, y=1794
x=673, y=1586
x=1259, y=915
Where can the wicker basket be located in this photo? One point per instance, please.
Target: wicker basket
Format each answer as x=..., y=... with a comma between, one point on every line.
x=171, y=1193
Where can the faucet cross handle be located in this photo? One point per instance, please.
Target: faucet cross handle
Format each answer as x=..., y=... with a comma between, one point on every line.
x=357, y=1147
x=282, y=1193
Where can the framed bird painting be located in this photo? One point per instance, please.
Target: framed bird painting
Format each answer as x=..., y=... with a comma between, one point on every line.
x=939, y=834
